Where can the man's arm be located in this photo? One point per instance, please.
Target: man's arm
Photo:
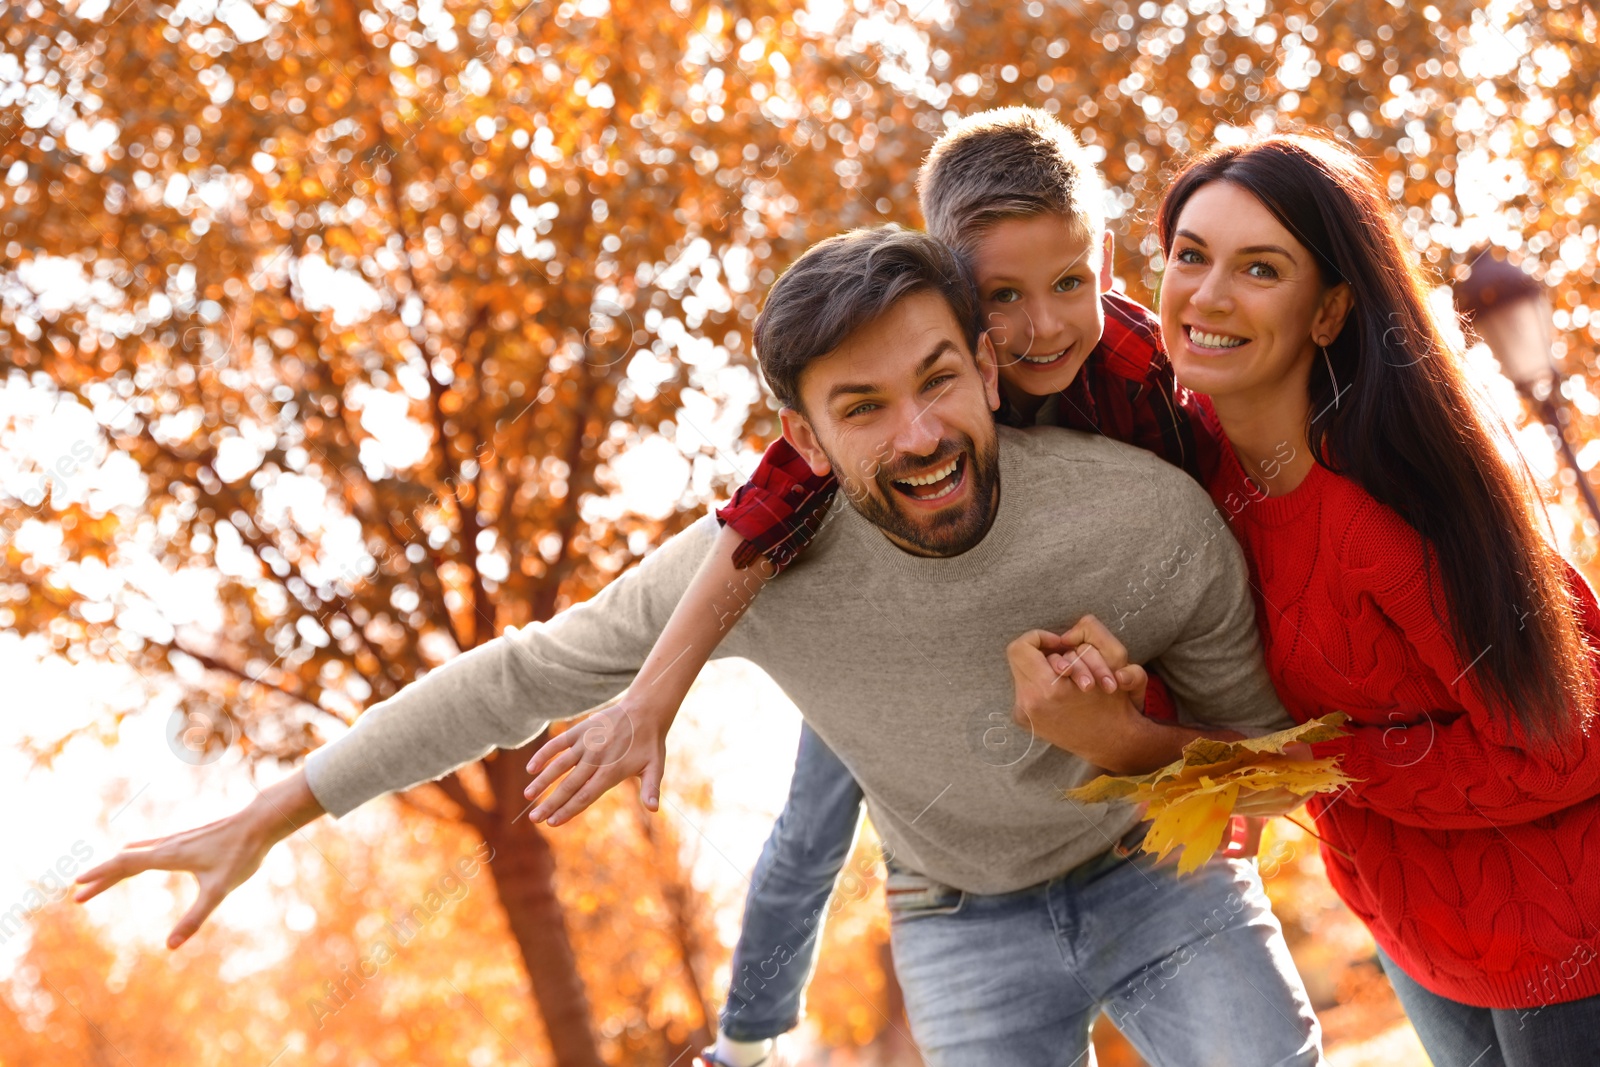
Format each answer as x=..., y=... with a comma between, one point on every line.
x=1078, y=691
x=1214, y=665
x=505, y=691
x=498, y=695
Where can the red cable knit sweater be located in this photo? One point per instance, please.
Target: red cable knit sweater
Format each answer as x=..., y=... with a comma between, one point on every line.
x=1475, y=864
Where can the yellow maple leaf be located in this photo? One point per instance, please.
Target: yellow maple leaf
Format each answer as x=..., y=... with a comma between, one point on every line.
x=1191, y=799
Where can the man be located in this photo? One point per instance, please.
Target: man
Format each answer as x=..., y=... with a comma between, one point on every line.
x=1016, y=915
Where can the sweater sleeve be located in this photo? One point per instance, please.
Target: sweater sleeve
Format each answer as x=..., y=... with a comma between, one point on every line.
x=1213, y=666
x=1459, y=767
x=506, y=691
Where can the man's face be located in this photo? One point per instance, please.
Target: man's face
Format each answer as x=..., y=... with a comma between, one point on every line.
x=901, y=413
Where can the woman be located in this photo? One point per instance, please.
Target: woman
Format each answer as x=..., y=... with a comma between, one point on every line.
x=1402, y=577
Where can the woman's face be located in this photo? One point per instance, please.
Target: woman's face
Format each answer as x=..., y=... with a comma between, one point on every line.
x=1243, y=306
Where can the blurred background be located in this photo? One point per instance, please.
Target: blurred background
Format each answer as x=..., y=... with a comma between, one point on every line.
x=343, y=334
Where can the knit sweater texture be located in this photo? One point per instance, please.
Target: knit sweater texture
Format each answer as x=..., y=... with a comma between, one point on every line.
x=1474, y=862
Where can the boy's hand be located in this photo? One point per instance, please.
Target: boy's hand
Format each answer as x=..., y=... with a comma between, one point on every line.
x=624, y=739
x=1074, y=697
x=1092, y=656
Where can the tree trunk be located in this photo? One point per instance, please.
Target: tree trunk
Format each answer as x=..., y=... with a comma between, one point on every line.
x=524, y=877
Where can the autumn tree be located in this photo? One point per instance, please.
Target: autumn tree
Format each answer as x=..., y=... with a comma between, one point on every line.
x=364, y=303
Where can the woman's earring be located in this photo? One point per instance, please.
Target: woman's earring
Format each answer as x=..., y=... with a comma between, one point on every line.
x=1328, y=361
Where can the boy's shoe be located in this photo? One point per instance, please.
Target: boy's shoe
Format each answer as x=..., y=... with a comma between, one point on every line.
x=708, y=1058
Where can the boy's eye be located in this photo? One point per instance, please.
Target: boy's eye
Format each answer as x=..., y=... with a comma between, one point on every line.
x=1005, y=296
x=1259, y=269
x=1067, y=285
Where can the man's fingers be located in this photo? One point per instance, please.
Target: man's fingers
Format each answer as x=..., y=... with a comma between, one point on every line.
x=122, y=865
x=93, y=889
x=1035, y=642
x=1091, y=631
x=204, y=905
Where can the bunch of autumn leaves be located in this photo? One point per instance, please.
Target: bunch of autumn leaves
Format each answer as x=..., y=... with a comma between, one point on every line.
x=1190, y=801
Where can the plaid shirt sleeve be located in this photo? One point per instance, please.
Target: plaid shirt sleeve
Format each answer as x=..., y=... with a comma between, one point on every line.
x=1127, y=391
x=779, y=509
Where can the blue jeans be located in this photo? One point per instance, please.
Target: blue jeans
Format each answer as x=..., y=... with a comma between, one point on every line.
x=789, y=894
x=1193, y=970
x=1460, y=1035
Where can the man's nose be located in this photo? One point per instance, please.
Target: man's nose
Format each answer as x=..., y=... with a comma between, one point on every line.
x=920, y=433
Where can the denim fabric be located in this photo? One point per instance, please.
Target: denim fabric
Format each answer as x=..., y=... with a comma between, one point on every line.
x=788, y=901
x=1460, y=1035
x=1193, y=969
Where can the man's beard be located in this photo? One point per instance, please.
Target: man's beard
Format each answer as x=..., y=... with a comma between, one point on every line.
x=943, y=533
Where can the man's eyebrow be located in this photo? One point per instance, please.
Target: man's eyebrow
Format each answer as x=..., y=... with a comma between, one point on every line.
x=1250, y=251
x=847, y=388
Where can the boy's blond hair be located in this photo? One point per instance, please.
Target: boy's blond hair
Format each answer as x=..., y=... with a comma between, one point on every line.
x=1005, y=163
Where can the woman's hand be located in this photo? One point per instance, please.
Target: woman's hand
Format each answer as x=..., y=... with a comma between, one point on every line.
x=626, y=738
x=221, y=855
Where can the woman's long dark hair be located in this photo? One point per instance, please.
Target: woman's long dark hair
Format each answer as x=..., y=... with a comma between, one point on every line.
x=1395, y=414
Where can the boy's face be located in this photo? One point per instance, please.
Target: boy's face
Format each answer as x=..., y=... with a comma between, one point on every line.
x=1039, y=284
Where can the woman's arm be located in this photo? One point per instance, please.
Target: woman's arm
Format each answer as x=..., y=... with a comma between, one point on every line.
x=1463, y=769
x=627, y=737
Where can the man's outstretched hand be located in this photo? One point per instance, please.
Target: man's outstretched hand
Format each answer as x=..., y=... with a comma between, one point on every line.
x=221, y=855
x=626, y=738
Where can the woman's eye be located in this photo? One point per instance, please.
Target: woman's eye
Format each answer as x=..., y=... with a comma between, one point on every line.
x=1262, y=270
x=1188, y=255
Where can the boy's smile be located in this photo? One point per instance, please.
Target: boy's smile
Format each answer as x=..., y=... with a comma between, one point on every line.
x=1039, y=282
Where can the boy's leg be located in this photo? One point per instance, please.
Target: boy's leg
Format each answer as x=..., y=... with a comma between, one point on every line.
x=1193, y=969
x=788, y=899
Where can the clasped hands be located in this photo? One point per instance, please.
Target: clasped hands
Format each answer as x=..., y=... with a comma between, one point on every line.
x=1077, y=690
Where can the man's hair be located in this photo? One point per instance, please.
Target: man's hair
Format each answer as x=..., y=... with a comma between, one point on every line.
x=1007, y=163
x=845, y=282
